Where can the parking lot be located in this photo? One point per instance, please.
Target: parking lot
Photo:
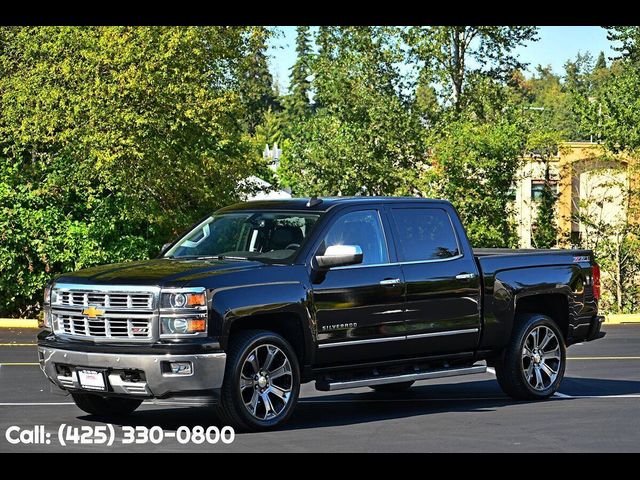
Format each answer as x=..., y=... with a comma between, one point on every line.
x=597, y=409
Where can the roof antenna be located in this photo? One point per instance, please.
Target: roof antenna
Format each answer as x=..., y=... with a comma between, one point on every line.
x=313, y=201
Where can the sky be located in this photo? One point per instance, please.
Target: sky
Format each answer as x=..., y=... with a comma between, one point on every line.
x=556, y=45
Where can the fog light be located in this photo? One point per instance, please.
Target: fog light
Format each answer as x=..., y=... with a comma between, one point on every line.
x=181, y=368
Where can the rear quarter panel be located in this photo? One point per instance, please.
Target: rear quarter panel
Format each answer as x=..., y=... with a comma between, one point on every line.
x=509, y=278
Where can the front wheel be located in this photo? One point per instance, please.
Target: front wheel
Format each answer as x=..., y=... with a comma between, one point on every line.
x=261, y=381
x=105, y=406
x=533, y=364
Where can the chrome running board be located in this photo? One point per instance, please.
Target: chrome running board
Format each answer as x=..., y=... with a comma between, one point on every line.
x=407, y=377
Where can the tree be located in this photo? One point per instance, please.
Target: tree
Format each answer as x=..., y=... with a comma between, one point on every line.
x=609, y=111
x=578, y=73
x=629, y=38
x=362, y=136
x=298, y=105
x=601, y=62
x=545, y=234
x=614, y=233
x=112, y=140
x=469, y=159
x=548, y=104
x=612, y=112
x=257, y=92
x=450, y=54
x=542, y=145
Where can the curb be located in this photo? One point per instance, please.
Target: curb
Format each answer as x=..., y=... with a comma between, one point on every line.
x=622, y=318
x=18, y=323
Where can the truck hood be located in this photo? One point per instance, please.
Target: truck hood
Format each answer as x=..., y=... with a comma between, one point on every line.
x=157, y=272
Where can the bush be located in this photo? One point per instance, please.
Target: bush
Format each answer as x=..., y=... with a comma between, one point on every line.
x=41, y=236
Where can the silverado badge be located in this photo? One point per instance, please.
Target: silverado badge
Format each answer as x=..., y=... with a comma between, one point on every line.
x=92, y=312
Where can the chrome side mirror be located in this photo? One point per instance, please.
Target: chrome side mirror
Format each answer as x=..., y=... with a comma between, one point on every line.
x=340, y=256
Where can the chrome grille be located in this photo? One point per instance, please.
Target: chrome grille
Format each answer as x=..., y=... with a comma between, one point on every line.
x=105, y=326
x=115, y=313
x=134, y=300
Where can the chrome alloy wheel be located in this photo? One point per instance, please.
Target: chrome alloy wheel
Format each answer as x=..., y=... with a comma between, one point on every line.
x=541, y=358
x=266, y=382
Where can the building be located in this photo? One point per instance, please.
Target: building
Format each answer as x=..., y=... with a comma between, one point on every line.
x=589, y=182
x=263, y=190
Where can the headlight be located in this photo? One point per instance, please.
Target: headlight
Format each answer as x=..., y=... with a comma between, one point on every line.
x=182, y=325
x=183, y=312
x=183, y=300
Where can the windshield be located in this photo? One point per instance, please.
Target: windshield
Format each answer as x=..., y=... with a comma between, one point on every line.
x=269, y=236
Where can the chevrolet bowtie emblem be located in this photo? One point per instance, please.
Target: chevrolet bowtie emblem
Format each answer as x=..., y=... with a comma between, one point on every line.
x=92, y=312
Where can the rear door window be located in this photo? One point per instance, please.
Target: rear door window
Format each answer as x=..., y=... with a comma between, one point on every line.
x=424, y=234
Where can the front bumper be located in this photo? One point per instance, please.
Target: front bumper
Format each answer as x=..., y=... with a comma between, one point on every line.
x=135, y=375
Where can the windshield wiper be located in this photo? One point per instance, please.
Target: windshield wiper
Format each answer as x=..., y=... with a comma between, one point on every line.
x=206, y=257
x=221, y=257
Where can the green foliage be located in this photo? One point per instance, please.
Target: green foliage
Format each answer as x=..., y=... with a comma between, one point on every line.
x=298, y=104
x=474, y=166
x=601, y=62
x=113, y=140
x=619, y=258
x=362, y=137
x=545, y=234
x=626, y=41
x=450, y=55
x=611, y=113
x=615, y=240
x=256, y=87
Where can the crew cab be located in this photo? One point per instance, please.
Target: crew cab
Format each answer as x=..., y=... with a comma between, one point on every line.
x=263, y=296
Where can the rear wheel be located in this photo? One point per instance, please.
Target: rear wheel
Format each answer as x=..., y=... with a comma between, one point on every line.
x=533, y=364
x=393, y=387
x=261, y=381
x=105, y=406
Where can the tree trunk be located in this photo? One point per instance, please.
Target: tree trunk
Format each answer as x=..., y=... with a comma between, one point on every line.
x=457, y=74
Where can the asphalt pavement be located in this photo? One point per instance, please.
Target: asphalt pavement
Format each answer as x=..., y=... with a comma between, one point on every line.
x=596, y=409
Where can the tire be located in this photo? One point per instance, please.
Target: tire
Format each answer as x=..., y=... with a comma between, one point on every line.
x=392, y=387
x=105, y=406
x=252, y=398
x=529, y=368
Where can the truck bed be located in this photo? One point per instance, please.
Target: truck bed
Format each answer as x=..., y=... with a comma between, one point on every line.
x=486, y=252
x=492, y=260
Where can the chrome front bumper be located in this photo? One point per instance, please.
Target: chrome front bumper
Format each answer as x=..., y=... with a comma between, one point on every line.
x=207, y=372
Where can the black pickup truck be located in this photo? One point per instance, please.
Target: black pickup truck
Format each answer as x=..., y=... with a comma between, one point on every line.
x=262, y=296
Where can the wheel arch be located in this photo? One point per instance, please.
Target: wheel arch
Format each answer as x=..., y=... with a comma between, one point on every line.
x=288, y=325
x=554, y=305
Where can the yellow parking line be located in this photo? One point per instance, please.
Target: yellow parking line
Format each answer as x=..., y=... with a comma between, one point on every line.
x=19, y=364
x=603, y=358
x=18, y=344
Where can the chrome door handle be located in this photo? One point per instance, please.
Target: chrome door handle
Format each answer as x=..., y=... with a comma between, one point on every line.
x=465, y=276
x=390, y=281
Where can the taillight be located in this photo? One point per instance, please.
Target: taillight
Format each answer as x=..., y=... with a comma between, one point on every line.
x=596, y=281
